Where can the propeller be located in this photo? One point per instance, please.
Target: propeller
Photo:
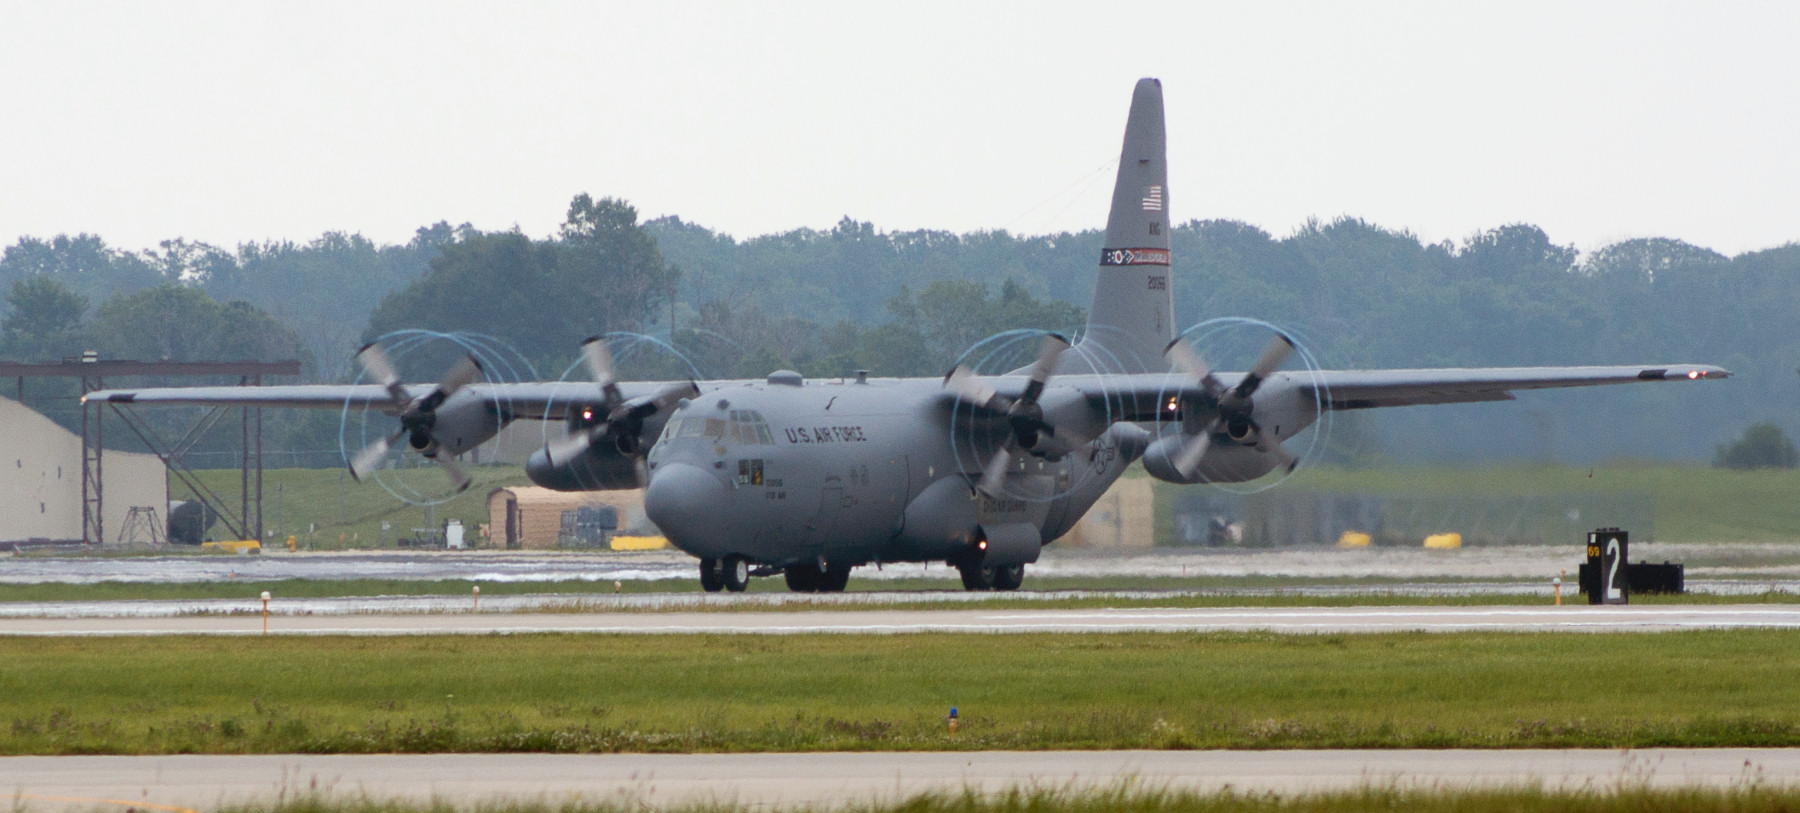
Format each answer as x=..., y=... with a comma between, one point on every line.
x=623, y=420
x=417, y=415
x=1025, y=419
x=1229, y=407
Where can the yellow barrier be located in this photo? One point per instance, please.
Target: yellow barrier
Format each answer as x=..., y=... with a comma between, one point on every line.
x=1443, y=542
x=639, y=543
x=234, y=545
x=1354, y=539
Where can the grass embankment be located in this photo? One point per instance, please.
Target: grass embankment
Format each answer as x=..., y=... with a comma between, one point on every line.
x=1693, y=503
x=325, y=509
x=581, y=693
x=1751, y=798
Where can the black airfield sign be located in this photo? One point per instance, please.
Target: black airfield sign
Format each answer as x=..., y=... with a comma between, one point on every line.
x=1606, y=550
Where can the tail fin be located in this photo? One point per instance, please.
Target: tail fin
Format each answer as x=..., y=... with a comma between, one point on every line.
x=1132, y=319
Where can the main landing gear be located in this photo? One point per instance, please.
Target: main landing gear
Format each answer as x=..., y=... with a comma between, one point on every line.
x=730, y=573
x=812, y=578
x=976, y=576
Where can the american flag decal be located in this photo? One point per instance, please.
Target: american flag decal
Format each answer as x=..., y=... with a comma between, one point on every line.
x=1153, y=199
x=1134, y=256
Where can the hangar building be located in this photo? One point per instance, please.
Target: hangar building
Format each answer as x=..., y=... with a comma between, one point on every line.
x=40, y=493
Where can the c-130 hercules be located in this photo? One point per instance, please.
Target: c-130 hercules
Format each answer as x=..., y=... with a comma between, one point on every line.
x=811, y=479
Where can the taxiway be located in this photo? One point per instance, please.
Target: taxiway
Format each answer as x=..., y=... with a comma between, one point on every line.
x=1568, y=618
x=179, y=783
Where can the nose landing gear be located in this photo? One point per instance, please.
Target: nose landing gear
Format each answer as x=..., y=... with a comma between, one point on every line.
x=730, y=573
x=976, y=576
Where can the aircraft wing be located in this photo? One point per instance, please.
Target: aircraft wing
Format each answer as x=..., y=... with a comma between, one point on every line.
x=533, y=399
x=1366, y=389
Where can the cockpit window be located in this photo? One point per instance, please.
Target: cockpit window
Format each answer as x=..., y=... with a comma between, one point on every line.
x=750, y=427
x=744, y=426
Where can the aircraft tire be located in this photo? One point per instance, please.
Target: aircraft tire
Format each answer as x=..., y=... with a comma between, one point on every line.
x=801, y=578
x=834, y=579
x=735, y=573
x=1008, y=578
x=709, y=576
x=975, y=577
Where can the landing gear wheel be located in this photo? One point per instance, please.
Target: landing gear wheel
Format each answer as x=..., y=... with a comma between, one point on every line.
x=808, y=578
x=802, y=578
x=1007, y=578
x=735, y=573
x=975, y=577
x=709, y=576
x=834, y=579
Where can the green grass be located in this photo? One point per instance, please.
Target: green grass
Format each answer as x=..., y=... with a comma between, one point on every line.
x=325, y=509
x=1130, y=798
x=597, y=693
x=1693, y=503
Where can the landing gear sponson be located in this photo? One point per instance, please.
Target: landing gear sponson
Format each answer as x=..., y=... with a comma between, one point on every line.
x=732, y=573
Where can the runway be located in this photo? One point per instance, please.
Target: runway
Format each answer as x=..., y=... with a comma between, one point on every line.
x=1568, y=618
x=836, y=779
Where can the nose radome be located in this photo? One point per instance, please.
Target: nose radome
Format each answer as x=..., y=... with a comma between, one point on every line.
x=688, y=504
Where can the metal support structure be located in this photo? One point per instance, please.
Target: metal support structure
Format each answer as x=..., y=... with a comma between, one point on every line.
x=93, y=517
x=143, y=520
x=234, y=522
x=252, y=484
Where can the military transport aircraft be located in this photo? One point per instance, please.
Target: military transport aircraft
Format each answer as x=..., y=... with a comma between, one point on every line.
x=810, y=479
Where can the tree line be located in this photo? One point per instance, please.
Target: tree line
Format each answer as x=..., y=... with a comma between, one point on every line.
x=854, y=297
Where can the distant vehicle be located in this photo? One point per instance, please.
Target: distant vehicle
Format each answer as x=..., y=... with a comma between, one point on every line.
x=809, y=479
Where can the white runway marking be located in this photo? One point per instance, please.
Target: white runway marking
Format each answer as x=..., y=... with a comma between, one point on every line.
x=1575, y=618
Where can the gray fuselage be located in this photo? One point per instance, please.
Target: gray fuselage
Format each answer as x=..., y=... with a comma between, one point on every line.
x=853, y=472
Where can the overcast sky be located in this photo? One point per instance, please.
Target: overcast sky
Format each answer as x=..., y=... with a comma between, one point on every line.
x=241, y=121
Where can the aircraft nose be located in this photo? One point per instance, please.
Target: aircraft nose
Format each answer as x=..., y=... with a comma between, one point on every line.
x=688, y=504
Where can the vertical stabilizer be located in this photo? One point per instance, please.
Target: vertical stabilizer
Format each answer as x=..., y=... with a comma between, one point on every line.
x=1132, y=318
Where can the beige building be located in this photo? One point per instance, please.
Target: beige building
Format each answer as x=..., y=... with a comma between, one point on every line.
x=531, y=517
x=40, y=493
x=1124, y=517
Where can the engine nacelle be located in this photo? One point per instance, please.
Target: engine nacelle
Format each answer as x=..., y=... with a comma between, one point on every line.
x=601, y=468
x=1224, y=462
x=460, y=424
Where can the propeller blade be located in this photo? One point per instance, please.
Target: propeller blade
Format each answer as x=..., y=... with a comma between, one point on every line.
x=456, y=473
x=1272, y=356
x=570, y=447
x=1288, y=461
x=993, y=475
x=969, y=387
x=599, y=360
x=374, y=361
x=1183, y=359
x=466, y=371
x=1048, y=354
x=672, y=394
x=372, y=455
x=1192, y=450
x=598, y=357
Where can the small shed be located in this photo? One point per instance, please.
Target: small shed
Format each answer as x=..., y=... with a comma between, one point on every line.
x=529, y=517
x=1124, y=517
